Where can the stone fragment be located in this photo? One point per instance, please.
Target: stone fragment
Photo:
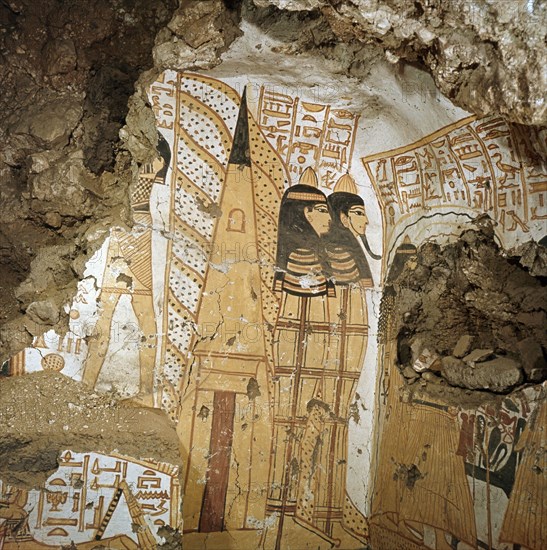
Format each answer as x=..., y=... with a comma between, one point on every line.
x=409, y=373
x=533, y=256
x=416, y=346
x=432, y=377
x=392, y=58
x=44, y=313
x=39, y=163
x=436, y=365
x=498, y=375
x=425, y=360
x=59, y=56
x=478, y=355
x=533, y=360
x=463, y=346
x=426, y=36
x=53, y=219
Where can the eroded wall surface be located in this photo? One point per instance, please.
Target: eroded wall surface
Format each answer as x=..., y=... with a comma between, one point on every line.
x=246, y=304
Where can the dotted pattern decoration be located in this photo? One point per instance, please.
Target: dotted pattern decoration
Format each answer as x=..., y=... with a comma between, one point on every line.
x=203, y=138
x=270, y=179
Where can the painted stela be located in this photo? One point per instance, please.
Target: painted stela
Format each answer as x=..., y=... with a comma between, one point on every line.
x=244, y=303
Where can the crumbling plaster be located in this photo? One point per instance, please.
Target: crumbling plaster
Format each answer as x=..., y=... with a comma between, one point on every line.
x=69, y=73
x=77, y=124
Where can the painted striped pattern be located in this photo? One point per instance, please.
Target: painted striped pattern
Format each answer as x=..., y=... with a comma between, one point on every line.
x=207, y=115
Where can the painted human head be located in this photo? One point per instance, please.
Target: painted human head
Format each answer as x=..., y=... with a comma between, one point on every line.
x=304, y=210
x=348, y=210
x=304, y=217
x=307, y=205
x=349, y=229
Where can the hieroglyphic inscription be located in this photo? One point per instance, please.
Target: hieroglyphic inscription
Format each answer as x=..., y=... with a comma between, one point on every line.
x=163, y=103
x=308, y=134
x=80, y=494
x=485, y=165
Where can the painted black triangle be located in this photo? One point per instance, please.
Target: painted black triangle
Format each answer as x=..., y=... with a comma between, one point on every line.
x=241, y=151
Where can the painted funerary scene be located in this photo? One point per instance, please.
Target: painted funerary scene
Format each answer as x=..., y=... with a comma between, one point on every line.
x=332, y=298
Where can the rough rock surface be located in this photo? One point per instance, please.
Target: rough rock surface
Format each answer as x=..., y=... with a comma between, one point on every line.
x=68, y=76
x=480, y=311
x=499, y=374
x=66, y=73
x=487, y=56
x=196, y=35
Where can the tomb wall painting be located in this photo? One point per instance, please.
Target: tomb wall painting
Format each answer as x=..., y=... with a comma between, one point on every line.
x=91, y=500
x=465, y=478
x=446, y=476
x=472, y=166
x=230, y=369
x=245, y=302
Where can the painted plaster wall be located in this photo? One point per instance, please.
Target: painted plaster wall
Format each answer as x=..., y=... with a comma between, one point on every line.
x=180, y=314
x=94, y=495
